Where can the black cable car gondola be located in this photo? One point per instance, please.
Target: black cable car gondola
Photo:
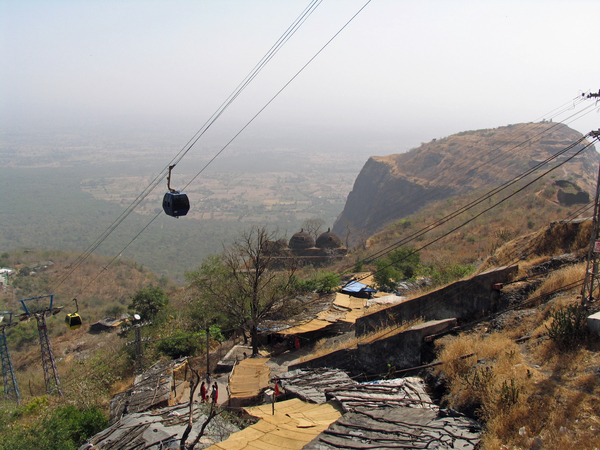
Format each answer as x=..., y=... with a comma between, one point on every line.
x=175, y=203
x=73, y=320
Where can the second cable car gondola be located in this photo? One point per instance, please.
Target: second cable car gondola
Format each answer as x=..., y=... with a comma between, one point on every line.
x=73, y=320
x=175, y=203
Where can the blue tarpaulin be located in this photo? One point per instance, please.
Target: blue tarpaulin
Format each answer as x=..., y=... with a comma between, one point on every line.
x=357, y=289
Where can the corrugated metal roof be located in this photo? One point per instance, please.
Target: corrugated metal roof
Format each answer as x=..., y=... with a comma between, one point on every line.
x=313, y=325
x=408, y=391
x=151, y=389
x=399, y=427
x=160, y=429
x=310, y=384
x=347, y=301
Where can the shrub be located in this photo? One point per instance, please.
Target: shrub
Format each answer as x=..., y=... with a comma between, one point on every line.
x=180, y=344
x=64, y=428
x=187, y=343
x=568, y=328
x=400, y=264
x=327, y=282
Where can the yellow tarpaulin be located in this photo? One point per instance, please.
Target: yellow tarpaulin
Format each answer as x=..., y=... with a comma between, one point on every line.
x=365, y=278
x=347, y=301
x=249, y=378
x=351, y=316
x=313, y=325
x=294, y=424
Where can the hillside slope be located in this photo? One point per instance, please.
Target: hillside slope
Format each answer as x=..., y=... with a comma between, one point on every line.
x=392, y=187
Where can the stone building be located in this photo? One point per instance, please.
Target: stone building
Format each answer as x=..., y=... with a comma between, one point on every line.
x=303, y=248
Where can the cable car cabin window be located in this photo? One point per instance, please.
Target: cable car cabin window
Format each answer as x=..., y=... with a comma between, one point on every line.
x=176, y=204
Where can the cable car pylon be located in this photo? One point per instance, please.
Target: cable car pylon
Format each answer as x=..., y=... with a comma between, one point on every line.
x=51, y=377
x=11, y=389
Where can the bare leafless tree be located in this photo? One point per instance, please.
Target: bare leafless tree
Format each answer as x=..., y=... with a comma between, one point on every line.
x=313, y=226
x=211, y=414
x=244, y=282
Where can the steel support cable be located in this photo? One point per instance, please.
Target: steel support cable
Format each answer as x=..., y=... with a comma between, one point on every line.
x=279, y=92
x=524, y=279
x=518, y=256
x=473, y=203
x=392, y=211
x=404, y=241
x=241, y=130
x=517, y=251
x=480, y=199
x=570, y=215
x=393, y=247
x=264, y=61
x=161, y=176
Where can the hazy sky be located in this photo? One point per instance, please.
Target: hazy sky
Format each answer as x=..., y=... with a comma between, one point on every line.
x=402, y=72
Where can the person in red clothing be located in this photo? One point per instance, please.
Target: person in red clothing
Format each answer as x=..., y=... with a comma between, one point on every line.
x=215, y=393
x=203, y=392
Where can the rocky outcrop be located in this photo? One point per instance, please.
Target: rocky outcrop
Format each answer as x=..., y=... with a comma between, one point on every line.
x=389, y=188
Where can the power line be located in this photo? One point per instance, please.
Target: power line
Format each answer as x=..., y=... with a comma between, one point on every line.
x=244, y=127
x=473, y=203
x=397, y=208
x=392, y=247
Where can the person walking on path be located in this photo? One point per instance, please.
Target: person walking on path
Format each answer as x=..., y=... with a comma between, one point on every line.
x=203, y=392
x=215, y=393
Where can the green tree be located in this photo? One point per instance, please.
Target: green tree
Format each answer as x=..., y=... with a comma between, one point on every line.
x=148, y=301
x=400, y=264
x=243, y=282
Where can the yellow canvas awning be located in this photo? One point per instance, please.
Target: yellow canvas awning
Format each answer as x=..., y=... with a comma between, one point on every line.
x=313, y=325
x=351, y=316
x=294, y=424
x=347, y=301
x=249, y=378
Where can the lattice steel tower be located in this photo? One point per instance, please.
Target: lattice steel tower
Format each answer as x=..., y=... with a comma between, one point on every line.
x=591, y=285
x=11, y=389
x=48, y=363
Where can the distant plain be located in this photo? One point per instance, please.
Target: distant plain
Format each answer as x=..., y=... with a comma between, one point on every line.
x=63, y=190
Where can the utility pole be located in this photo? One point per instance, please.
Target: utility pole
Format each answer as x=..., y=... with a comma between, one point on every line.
x=51, y=377
x=11, y=389
x=139, y=348
x=207, y=350
x=592, y=274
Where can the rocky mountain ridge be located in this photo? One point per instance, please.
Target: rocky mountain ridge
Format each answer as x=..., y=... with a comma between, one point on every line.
x=391, y=187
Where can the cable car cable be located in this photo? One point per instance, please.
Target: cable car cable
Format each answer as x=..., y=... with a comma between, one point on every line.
x=426, y=229
x=477, y=201
x=154, y=183
x=396, y=208
x=249, y=122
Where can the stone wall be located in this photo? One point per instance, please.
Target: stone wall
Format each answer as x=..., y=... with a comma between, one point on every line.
x=463, y=299
x=402, y=351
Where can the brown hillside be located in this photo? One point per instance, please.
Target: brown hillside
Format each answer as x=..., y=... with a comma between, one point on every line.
x=392, y=187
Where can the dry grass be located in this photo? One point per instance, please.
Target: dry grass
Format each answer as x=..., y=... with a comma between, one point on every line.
x=566, y=276
x=530, y=394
